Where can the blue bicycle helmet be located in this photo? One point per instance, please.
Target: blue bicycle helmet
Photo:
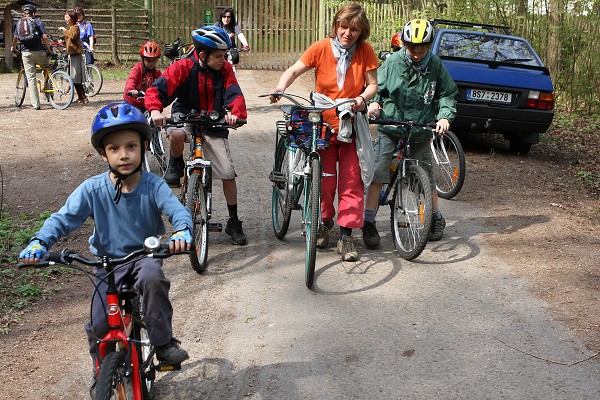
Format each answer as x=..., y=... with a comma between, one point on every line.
x=117, y=116
x=29, y=7
x=211, y=38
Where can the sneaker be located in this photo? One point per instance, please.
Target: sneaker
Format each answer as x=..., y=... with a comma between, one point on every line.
x=323, y=236
x=93, y=386
x=437, y=229
x=234, y=229
x=171, y=353
x=370, y=235
x=346, y=248
x=174, y=170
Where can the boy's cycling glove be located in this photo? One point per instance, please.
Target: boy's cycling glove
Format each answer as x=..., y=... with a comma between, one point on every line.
x=183, y=234
x=36, y=249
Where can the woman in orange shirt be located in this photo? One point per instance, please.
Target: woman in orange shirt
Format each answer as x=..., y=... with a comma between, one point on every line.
x=345, y=67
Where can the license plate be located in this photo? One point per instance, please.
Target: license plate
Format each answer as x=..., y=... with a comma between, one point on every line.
x=489, y=95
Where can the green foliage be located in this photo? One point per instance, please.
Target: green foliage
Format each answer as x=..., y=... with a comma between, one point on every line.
x=18, y=287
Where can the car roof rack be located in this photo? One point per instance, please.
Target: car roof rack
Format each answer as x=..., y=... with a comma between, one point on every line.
x=490, y=28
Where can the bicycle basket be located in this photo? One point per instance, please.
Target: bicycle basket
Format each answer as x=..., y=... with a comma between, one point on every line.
x=170, y=51
x=299, y=131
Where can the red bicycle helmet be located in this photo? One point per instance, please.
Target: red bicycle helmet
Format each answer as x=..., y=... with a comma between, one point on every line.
x=150, y=50
x=396, y=42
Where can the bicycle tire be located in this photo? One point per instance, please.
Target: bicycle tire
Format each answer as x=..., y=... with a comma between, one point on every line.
x=412, y=212
x=313, y=212
x=93, y=80
x=156, y=159
x=60, y=90
x=281, y=211
x=195, y=200
x=451, y=170
x=112, y=381
x=145, y=351
x=20, y=88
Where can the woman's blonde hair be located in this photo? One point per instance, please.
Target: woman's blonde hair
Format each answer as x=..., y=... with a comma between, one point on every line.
x=351, y=14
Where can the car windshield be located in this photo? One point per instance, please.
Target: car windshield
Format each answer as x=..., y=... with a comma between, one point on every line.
x=486, y=48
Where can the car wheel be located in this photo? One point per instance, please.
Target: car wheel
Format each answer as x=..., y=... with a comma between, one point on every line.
x=519, y=147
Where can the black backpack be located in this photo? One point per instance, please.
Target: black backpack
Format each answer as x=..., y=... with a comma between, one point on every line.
x=27, y=30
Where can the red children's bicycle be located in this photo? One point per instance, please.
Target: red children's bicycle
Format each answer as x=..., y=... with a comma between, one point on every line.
x=126, y=367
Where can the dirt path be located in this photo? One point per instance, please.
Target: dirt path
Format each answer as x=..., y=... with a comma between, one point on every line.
x=535, y=228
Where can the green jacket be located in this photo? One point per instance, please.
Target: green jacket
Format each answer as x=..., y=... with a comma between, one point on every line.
x=405, y=95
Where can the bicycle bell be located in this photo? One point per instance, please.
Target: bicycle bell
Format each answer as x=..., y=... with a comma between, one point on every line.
x=151, y=244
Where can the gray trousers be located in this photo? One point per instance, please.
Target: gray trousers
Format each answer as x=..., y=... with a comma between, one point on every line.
x=149, y=280
x=30, y=59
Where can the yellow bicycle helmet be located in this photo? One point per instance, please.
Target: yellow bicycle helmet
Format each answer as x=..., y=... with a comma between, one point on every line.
x=417, y=31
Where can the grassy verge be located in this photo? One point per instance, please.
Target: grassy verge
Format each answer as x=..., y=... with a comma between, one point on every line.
x=19, y=287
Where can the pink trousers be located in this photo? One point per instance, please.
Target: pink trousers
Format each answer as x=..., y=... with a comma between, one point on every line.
x=341, y=161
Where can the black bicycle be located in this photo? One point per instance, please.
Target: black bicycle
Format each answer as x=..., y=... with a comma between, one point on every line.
x=126, y=367
x=177, y=50
x=411, y=196
x=196, y=189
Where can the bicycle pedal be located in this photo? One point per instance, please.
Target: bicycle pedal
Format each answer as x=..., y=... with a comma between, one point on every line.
x=277, y=177
x=215, y=227
x=162, y=367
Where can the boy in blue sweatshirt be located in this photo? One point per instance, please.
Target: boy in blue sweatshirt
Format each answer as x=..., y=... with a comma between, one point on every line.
x=126, y=205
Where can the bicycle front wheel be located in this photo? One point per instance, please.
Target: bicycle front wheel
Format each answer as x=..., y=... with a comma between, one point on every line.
x=451, y=168
x=412, y=209
x=20, y=88
x=145, y=351
x=93, y=80
x=113, y=382
x=60, y=90
x=281, y=211
x=313, y=212
x=156, y=158
x=195, y=200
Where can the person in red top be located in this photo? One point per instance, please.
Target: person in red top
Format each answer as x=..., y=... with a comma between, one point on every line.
x=205, y=81
x=345, y=67
x=142, y=75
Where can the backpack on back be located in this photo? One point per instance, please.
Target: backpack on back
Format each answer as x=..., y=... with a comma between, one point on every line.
x=27, y=30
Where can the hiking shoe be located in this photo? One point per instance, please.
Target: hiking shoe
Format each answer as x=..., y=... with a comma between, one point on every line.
x=234, y=229
x=171, y=353
x=437, y=229
x=346, y=249
x=323, y=236
x=370, y=235
x=174, y=170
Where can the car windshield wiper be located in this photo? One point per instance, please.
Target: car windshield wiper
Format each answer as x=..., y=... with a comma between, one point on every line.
x=512, y=60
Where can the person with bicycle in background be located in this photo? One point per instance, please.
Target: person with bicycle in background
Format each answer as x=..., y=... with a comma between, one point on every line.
x=34, y=51
x=204, y=81
x=74, y=50
x=413, y=85
x=229, y=23
x=345, y=67
x=86, y=34
x=142, y=75
x=126, y=205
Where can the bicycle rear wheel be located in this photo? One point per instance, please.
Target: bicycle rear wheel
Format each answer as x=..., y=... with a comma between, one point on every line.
x=313, y=212
x=195, y=200
x=113, y=382
x=156, y=158
x=451, y=169
x=281, y=211
x=412, y=209
x=93, y=80
x=20, y=88
x=60, y=90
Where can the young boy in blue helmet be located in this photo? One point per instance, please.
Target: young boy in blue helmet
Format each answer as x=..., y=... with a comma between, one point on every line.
x=126, y=205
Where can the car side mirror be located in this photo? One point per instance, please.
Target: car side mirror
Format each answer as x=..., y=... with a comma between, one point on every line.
x=383, y=55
